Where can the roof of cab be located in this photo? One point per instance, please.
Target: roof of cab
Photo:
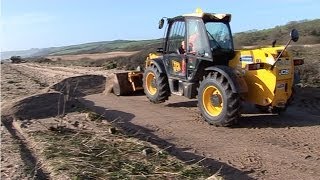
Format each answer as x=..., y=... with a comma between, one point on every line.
x=209, y=16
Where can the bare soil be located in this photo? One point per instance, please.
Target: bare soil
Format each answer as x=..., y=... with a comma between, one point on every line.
x=19, y=81
x=47, y=132
x=261, y=146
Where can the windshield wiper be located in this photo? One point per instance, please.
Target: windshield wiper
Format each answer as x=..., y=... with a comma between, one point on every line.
x=214, y=40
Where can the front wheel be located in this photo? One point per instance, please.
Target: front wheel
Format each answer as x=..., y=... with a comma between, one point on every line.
x=217, y=103
x=155, y=85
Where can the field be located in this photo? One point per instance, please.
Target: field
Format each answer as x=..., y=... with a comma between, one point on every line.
x=94, y=56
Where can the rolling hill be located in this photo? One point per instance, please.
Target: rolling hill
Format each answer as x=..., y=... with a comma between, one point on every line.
x=87, y=48
x=309, y=34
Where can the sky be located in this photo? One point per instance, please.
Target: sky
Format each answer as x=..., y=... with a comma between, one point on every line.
x=29, y=24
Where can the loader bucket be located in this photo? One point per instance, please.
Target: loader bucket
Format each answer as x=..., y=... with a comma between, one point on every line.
x=126, y=83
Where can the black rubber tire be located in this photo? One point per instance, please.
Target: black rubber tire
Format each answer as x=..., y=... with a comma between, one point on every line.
x=230, y=112
x=162, y=85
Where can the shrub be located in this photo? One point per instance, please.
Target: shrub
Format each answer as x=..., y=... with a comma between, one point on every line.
x=16, y=59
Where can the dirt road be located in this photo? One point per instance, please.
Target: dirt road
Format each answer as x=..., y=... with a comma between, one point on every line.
x=262, y=146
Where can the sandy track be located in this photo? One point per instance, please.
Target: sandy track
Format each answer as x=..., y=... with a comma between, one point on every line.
x=262, y=146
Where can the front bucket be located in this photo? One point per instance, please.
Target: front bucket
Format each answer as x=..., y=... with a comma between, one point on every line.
x=121, y=84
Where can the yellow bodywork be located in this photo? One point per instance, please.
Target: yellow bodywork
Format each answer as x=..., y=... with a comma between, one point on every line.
x=201, y=14
x=265, y=86
x=151, y=57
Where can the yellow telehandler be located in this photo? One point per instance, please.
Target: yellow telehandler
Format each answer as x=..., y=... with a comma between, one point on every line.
x=198, y=60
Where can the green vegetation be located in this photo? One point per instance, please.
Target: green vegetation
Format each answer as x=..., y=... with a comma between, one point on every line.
x=16, y=59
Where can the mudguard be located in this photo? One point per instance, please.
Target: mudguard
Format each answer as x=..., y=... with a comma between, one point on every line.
x=159, y=64
x=237, y=83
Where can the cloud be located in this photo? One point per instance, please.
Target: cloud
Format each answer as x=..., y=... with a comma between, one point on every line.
x=27, y=19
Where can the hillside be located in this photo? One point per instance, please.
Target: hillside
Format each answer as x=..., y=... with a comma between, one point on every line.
x=309, y=34
x=97, y=47
x=87, y=48
x=22, y=53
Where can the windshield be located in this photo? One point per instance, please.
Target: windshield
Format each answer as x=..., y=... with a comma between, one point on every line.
x=219, y=35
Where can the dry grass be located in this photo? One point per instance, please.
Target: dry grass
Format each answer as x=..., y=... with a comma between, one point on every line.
x=90, y=155
x=310, y=70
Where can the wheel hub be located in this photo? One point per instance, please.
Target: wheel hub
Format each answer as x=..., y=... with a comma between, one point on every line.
x=153, y=83
x=215, y=100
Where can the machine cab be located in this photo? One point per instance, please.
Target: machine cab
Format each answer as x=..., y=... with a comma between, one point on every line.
x=193, y=38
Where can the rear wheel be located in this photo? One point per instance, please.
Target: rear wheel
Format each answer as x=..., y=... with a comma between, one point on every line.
x=155, y=85
x=217, y=103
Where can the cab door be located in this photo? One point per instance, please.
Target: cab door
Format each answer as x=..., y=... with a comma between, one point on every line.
x=175, y=50
x=197, y=46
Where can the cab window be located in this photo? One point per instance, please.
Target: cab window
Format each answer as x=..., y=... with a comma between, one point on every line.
x=197, y=42
x=219, y=35
x=176, y=36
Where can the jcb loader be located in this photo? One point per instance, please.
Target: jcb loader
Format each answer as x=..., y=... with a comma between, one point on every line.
x=198, y=60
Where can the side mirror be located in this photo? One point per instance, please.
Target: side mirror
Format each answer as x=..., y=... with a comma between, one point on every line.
x=161, y=22
x=294, y=35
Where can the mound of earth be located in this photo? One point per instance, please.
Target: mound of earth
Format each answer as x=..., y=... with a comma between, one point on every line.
x=61, y=98
x=81, y=85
